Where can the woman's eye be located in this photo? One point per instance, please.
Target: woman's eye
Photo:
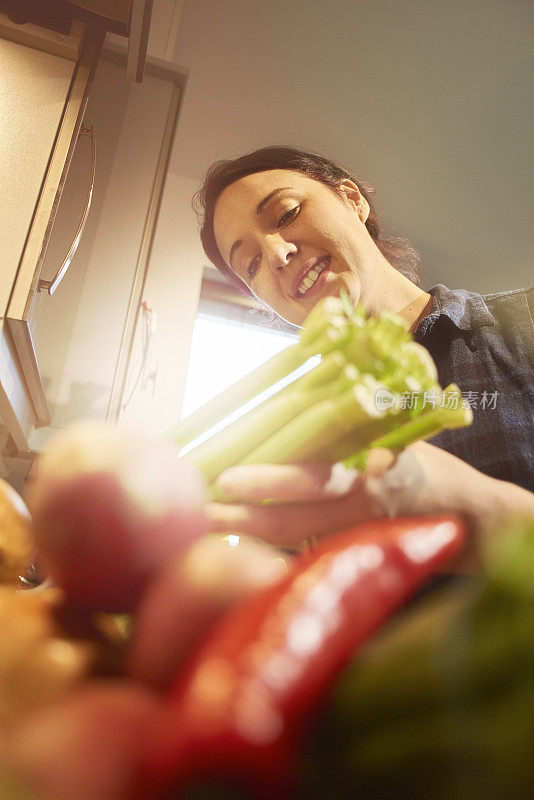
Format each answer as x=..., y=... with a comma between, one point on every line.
x=253, y=266
x=288, y=215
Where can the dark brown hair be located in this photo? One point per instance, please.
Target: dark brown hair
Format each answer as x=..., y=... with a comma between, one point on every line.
x=398, y=250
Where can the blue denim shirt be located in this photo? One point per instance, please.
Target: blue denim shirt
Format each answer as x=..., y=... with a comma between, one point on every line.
x=485, y=344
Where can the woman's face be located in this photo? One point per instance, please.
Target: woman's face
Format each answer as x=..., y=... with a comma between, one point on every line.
x=293, y=240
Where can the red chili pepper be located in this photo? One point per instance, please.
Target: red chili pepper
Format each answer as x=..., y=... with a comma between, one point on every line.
x=240, y=710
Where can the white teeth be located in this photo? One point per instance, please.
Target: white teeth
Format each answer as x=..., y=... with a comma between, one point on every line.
x=307, y=282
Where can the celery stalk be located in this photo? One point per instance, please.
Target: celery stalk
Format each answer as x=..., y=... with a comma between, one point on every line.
x=325, y=329
x=423, y=426
x=236, y=441
x=316, y=427
x=328, y=369
x=331, y=413
x=215, y=410
x=359, y=439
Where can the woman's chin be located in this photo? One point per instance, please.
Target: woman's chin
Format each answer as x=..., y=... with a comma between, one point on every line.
x=330, y=286
x=351, y=288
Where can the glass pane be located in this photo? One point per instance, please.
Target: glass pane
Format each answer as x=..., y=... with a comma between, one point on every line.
x=222, y=351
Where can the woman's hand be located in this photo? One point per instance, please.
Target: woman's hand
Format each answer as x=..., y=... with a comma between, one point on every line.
x=312, y=500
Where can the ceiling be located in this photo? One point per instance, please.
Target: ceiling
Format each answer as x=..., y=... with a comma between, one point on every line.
x=429, y=101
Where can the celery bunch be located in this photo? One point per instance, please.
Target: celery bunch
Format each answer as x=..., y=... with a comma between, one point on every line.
x=374, y=387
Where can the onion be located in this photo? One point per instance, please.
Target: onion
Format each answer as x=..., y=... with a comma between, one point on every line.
x=111, y=506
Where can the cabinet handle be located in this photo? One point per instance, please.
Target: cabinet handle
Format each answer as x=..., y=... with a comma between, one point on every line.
x=51, y=286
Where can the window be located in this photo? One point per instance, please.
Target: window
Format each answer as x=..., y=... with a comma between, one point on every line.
x=231, y=337
x=222, y=351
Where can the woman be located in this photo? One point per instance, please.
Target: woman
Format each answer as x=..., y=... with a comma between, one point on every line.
x=291, y=227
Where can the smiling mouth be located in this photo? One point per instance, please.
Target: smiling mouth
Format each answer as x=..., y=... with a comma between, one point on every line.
x=311, y=276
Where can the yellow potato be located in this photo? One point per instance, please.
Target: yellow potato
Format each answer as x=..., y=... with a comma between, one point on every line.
x=16, y=543
x=44, y=653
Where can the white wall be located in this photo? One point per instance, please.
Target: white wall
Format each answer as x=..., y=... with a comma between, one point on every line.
x=172, y=289
x=431, y=101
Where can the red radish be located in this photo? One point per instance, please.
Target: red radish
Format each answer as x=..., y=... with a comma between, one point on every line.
x=111, y=506
x=185, y=598
x=82, y=747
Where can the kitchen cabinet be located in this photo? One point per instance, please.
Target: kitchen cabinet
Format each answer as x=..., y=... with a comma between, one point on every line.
x=28, y=281
x=84, y=331
x=51, y=20
x=42, y=97
x=30, y=116
x=64, y=344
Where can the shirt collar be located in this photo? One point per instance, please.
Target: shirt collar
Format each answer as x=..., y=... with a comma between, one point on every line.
x=466, y=310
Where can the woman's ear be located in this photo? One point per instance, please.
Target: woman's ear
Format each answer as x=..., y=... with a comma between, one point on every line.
x=351, y=192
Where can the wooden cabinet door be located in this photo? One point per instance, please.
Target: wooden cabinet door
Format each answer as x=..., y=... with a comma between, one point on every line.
x=82, y=332
x=20, y=310
x=33, y=90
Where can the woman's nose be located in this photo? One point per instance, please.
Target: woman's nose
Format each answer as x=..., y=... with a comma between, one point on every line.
x=279, y=252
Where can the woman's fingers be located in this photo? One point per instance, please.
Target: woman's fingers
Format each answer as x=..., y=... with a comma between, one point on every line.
x=286, y=483
x=278, y=525
x=278, y=482
x=288, y=524
x=311, y=500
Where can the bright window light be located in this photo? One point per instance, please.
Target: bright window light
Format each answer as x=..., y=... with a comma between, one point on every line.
x=222, y=351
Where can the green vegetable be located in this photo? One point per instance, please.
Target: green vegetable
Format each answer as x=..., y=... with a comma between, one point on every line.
x=233, y=443
x=324, y=329
x=374, y=386
x=441, y=704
